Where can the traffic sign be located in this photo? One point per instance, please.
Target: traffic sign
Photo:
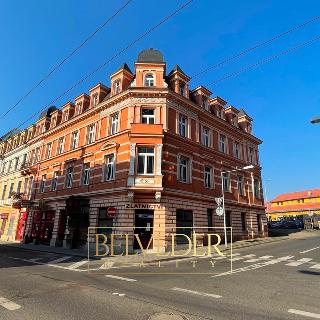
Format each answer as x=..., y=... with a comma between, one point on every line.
x=219, y=211
x=218, y=201
x=111, y=212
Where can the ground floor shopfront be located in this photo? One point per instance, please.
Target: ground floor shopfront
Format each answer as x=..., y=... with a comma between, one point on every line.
x=12, y=223
x=65, y=222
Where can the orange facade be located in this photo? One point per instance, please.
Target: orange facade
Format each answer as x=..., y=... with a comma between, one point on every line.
x=148, y=147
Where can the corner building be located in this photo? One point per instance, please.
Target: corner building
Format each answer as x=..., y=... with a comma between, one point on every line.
x=149, y=148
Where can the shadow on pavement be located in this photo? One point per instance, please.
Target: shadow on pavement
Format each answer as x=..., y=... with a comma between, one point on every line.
x=282, y=232
x=311, y=273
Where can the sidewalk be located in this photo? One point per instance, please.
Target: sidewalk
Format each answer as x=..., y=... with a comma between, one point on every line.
x=152, y=257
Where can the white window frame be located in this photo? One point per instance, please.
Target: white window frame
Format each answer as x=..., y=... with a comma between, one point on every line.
x=43, y=183
x=208, y=177
x=206, y=136
x=109, y=167
x=182, y=89
x=237, y=151
x=85, y=181
x=184, y=166
x=60, y=148
x=114, y=123
x=54, y=183
x=183, y=124
x=257, y=189
x=223, y=143
x=74, y=139
x=226, y=177
x=69, y=177
x=95, y=99
x=242, y=184
x=91, y=133
x=148, y=117
x=149, y=80
x=49, y=150
x=145, y=156
x=78, y=108
x=117, y=86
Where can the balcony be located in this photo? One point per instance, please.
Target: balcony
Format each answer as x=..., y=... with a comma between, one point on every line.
x=6, y=202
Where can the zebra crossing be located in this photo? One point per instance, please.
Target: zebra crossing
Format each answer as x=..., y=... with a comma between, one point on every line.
x=292, y=261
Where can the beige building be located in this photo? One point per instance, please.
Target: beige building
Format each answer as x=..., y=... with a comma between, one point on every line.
x=13, y=153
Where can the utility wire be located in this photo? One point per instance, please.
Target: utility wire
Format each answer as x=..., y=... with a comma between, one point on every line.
x=256, y=46
x=266, y=60
x=146, y=33
x=65, y=59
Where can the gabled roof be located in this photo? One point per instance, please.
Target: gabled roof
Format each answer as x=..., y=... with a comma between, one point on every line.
x=177, y=68
x=297, y=195
x=243, y=113
x=125, y=67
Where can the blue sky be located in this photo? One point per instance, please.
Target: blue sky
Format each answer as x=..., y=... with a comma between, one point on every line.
x=281, y=96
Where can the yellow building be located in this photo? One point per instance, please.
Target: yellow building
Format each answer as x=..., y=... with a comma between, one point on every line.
x=13, y=153
x=295, y=204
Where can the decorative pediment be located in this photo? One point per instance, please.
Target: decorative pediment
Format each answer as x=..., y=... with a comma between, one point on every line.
x=109, y=145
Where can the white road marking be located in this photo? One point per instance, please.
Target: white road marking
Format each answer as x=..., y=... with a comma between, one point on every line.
x=254, y=266
x=59, y=260
x=9, y=305
x=298, y=262
x=78, y=264
x=259, y=259
x=35, y=259
x=118, y=294
x=316, y=266
x=197, y=293
x=305, y=313
x=45, y=264
x=120, y=278
x=310, y=250
x=244, y=257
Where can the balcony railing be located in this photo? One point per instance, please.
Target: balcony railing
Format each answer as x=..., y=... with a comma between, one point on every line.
x=6, y=202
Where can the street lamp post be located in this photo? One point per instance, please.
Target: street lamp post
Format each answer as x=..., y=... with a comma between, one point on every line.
x=223, y=206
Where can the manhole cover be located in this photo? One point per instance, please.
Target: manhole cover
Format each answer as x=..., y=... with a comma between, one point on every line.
x=167, y=316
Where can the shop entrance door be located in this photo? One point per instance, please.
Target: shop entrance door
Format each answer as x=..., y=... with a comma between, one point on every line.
x=3, y=226
x=184, y=224
x=143, y=227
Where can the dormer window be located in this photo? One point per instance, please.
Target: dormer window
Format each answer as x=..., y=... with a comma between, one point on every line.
x=78, y=108
x=65, y=117
x=205, y=104
x=117, y=87
x=149, y=80
x=182, y=88
x=53, y=122
x=95, y=99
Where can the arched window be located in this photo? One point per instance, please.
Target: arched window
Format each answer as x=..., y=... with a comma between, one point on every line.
x=149, y=80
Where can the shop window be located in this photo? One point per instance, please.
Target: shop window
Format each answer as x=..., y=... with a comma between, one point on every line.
x=145, y=160
x=105, y=223
x=184, y=224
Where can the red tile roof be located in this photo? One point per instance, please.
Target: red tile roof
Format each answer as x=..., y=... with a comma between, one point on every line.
x=297, y=195
x=293, y=207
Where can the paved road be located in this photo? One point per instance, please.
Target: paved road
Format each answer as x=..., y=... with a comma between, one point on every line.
x=270, y=281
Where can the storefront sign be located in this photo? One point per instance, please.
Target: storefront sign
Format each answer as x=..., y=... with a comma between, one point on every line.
x=134, y=205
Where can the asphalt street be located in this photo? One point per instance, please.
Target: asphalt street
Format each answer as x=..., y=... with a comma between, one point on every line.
x=278, y=280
